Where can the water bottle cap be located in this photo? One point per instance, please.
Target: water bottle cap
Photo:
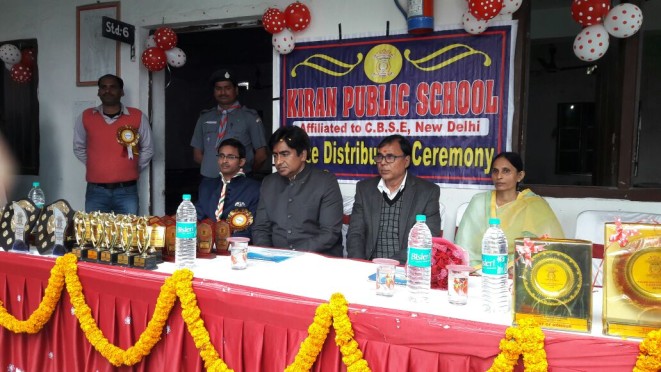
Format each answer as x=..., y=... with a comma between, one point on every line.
x=35, y=184
x=420, y=218
x=186, y=197
x=494, y=221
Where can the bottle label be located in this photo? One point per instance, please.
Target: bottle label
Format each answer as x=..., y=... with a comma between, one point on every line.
x=419, y=257
x=186, y=230
x=494, y=264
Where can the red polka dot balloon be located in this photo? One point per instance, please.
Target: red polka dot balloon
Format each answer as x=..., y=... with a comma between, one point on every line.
x=165, y=38
x=21, y=73
x=591, y=43
x=154, y=59
x=484, y=10
x=27, y=57
x=297, y=16
x=624, y=20
x=589, y=12
x=274, y=20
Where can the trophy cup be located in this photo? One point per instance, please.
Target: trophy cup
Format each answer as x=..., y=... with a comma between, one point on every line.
x=97, y=232
x=144, y=260
x=79, y=233
x=109, y=256
x=126, y=236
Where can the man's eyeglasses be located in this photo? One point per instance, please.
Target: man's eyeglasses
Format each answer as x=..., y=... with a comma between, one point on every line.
x=228, y=157
x=390, y=158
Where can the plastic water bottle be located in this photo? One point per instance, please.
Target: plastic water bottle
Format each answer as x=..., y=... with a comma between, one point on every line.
x=418, y=264
x=186, y=235
x=37, y=196
x=495, y=293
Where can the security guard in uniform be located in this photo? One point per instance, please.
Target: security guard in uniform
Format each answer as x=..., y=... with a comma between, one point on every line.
x=227, y=120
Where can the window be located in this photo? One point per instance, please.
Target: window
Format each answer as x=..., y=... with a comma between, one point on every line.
x=19, y=114
x=606, y=146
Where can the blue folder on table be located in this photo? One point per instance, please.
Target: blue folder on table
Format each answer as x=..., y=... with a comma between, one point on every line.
x=273, y=255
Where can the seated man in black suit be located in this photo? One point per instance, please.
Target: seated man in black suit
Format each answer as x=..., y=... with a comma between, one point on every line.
x=385, y=207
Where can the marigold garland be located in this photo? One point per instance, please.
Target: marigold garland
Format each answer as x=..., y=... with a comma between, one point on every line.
x=649, y=359
x=312, y=345
x=526, y=339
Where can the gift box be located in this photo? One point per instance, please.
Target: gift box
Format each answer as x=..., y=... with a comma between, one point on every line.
x=632, y=279
x=553, y=283
x=445, y=253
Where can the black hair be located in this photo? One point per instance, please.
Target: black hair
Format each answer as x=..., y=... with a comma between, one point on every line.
x=513, y=157
x=294, y=137
x=236, y=144
x=119, y=80
x=404, y=144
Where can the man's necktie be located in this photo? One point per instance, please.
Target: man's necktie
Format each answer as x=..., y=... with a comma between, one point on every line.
x=223, y=192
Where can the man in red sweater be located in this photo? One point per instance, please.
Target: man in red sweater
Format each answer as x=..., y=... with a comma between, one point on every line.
x=114, y=142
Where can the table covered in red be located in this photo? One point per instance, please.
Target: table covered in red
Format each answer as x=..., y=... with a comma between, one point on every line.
x=256, y=329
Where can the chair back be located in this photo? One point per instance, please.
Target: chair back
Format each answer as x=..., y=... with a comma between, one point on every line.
x=460, y=214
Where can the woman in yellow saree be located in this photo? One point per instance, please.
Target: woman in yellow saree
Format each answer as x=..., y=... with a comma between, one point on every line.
x=521, y=213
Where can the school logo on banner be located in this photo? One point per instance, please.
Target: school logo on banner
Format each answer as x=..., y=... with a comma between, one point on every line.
x=448, y=92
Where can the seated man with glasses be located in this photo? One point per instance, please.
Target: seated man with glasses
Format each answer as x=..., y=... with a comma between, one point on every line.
x=300, y=206
x=385, y=207
x=233, y=190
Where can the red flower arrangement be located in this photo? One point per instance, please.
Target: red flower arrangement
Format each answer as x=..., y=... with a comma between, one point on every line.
x=444, y=253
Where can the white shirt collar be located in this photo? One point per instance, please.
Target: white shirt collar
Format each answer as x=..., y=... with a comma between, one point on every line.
x=391, y=195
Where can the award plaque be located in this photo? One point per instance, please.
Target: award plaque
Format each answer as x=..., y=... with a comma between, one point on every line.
x=205, y=239
x=18, y=225
x=157, y=243
x=170, y=242
x=240, y=219
x=222, y=233
x=54, y=228
x=632, y=279
x=144, y=260
x=8, y=235
x=552, y=283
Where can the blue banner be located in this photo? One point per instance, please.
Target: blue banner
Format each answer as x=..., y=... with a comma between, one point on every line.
x=447, y=92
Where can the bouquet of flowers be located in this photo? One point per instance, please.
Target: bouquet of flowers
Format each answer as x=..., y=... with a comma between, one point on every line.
x=445, y=253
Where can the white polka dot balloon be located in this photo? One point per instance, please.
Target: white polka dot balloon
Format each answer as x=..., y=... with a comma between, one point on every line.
x=591, y=43
x=624, y=20
x=176, y=57
x=510, y=6
x=10, y=53
x=283, y=42
x=150, y=42
x=473, y=25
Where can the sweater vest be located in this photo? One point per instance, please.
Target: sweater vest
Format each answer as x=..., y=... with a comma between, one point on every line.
x=107, y=159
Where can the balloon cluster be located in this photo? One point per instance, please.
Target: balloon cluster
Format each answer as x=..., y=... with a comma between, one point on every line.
x=480, y=12
x=162, y=50
x=18, y=62
x=296, y=17
x=598, y=21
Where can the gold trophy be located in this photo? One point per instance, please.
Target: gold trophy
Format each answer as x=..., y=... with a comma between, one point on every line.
x=126, y=236
x=79, y=234
x=97, y=231
x=110, y=255
x=145, y=260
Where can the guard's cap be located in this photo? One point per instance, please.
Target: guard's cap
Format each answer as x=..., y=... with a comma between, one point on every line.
x=222, y=75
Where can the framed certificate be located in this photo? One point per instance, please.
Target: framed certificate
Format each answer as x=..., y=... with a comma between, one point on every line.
x=95, y=54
